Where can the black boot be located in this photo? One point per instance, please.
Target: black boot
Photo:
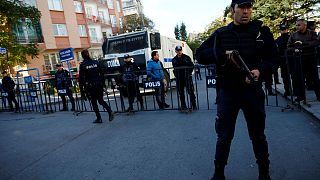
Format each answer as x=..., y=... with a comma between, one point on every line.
x=111, y=116
x=98, y=120
x=218, y=172
x=264, y=170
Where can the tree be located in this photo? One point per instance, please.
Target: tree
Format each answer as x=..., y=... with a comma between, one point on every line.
x=135, y=21
x=275, y=12
x=183, y=32
x=12, y=14
x=177, y=32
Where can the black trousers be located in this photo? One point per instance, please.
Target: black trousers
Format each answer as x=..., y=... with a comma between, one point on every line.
x=297, y=76
x=160, y=95
x=96, y=95
x=64, y=101
x=11, y=98
x=251, y=102
x=133, y=91
x=310, y=71
x=188, y=84
x=285, y=74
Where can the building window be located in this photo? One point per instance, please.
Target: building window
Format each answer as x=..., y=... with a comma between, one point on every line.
x=55, y=5
x=110, y=4
x=93, y=35
x=89, y=12
x=118, y=7
x=60, y=30
x=101, y=16
x=120, y=22
x=102, y=1
x=113, y=21
x=82, y=30
x=77, y=6
x=26, y=32
x=29, y=2
x=50, y=61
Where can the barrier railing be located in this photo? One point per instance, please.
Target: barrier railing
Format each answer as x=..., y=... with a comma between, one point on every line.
x=42, y=96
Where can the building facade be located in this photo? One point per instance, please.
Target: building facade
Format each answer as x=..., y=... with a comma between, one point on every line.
x=104, y=18
x=79, y=24
x=131, y=7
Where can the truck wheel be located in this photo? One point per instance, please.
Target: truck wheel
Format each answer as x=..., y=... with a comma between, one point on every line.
x=166, y=81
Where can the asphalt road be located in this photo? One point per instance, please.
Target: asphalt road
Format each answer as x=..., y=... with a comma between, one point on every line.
x=151, y=145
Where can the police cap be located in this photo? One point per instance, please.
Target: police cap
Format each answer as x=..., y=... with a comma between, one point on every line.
x=126, y=56
x=178, y=48
x=283, y=27
x=59, y=65
x=239, y=2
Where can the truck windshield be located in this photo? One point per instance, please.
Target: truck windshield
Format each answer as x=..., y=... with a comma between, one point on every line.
x=127, y=43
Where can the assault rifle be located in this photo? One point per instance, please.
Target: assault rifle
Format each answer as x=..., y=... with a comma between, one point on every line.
x=236, y=58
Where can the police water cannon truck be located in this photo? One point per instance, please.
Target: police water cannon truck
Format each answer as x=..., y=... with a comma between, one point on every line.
x=139, y=46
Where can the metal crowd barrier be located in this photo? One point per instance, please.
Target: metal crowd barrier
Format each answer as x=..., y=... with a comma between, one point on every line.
x=42, y=96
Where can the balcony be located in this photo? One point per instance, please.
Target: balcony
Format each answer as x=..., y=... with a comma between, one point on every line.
x=95, y=40
x=29, y=39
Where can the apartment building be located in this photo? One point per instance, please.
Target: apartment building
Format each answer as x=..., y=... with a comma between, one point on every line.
x=104, y=18
x=132, y=7
x=79, y=24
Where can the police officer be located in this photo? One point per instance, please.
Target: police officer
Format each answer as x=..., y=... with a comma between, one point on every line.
x=91, y=83
x=130, y=79
x=281, y=42
x=8, y=88
x=183, y=67
x=64, y=86
x=239, y=89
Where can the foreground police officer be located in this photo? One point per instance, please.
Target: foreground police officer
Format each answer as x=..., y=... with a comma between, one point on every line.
x=183, y=68
x=64, y=86
x=91, y=83
x=256, y=45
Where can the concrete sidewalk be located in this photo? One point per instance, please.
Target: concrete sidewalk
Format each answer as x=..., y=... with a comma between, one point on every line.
x=312, y=106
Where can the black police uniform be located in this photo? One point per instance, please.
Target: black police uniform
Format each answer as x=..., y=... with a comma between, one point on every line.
x=8, y=87
x=256, y=45
x=64, y=87
x=91, y=84
x=281, y=42
x=183, y=68
x=131, y=82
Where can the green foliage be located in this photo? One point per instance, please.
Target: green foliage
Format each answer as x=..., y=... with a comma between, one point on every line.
x=194, y=44
x=177, y=32
x=183, y=32
x=275, y=12
x=271, y=12
x=11, y=14
x=134, y=21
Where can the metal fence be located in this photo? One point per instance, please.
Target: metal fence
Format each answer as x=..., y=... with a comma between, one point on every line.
x=42, y=96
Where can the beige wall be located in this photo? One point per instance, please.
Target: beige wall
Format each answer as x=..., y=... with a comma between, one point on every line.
x=46, y=24
x=72, y=24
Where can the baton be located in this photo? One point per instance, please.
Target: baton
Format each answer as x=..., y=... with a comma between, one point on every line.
x=249, y=74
